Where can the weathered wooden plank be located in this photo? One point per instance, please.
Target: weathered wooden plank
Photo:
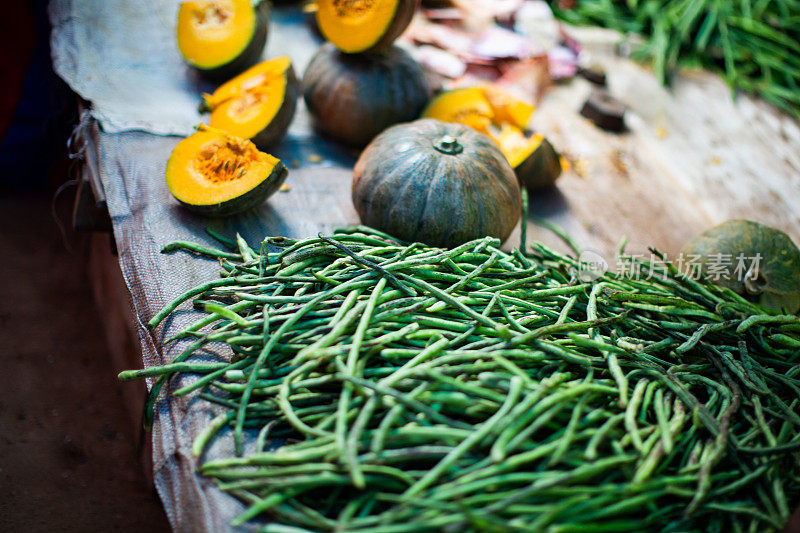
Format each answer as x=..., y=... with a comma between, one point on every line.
x=693, y=158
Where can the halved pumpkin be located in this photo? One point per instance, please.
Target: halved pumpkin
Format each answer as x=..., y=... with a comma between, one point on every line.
x=217, y=174
x=357, y=26
x=258, y=104
x=221, y=38
x=533, y=158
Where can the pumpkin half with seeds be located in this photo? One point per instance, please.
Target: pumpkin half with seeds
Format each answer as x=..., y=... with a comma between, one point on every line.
x=357, y=26
x=754, y=260
x=258, y=104
x=352, y=98
x=217, y=174
x=221, y=38
x=439, y=183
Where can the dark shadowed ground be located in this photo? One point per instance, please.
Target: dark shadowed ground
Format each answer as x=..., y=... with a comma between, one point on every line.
x=70, y=458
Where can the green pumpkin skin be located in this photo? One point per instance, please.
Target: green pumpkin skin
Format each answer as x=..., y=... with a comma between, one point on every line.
x=541, y=169
x=249, y=200
x=354, y=97
x=779, y=266
x=405, y=186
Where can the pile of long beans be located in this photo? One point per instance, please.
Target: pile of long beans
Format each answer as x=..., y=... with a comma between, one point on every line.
x=753, y=44
x=378, y=386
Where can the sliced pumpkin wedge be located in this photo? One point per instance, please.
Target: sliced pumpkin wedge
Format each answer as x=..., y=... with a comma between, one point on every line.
x=532, y=156
x=516, y=145
x=259, y=104
x=507, y=108
x=468, y=106
x=357, y=26
x=480, y=107
x=221, y=38
x=217, y=174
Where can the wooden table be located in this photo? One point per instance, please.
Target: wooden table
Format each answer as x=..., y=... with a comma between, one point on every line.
x=692, y=158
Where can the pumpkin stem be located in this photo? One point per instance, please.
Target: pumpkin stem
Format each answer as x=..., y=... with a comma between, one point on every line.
x=448, y=144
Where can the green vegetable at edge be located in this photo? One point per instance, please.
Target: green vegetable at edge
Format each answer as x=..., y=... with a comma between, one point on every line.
x=762, y=262
x=615, y=390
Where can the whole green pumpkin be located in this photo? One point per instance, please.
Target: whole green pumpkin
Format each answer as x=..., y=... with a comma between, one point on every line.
x=770, y=262
x=354, y=97
x=439, y=183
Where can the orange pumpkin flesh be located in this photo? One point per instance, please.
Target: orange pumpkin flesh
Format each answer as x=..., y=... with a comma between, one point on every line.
x=491, y=110
x=468, y=106
x=357, y=26
x=516, y=145
x=506, y=108
x=259, y=104
x=214, y=173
